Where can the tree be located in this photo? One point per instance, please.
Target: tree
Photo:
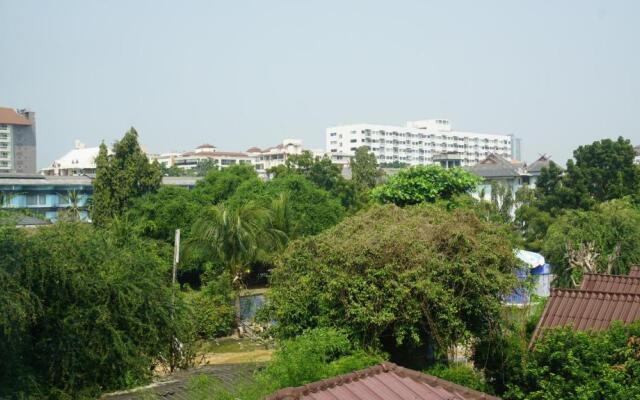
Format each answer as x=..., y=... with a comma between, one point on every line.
x=604, y=239
x=234, y=238
x=310, y=209
x=121, y=177
x=219, y=185
x=502, y=200
x=157, y=215
x=72, y=212
x=364, y=168
x=84, y=310
x=406, y=279
x=324, y=174
x=424, y=184
x=606, y=168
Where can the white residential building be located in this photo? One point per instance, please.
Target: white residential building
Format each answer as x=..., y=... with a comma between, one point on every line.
x=81, y=160
x=263, y=159
x=222, y=159
x=418, y=141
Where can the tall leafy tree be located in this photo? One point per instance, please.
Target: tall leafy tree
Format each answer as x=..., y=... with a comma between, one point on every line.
x=121, y=177
x=606, y=169
x=364, y=168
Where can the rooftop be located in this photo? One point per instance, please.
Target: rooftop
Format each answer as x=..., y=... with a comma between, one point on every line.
x=496, y=166
x=385, y=381
x=600, y=300
x=9, y=116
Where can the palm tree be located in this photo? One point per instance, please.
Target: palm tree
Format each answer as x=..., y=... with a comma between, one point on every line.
x=283, y=214
x=235, y=237
x=72, y=198
x=6, y=198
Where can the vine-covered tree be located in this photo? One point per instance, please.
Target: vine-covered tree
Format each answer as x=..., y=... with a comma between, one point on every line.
x=406, y=279
x=121, y=177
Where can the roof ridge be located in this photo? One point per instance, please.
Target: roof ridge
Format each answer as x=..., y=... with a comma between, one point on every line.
x=585, y=293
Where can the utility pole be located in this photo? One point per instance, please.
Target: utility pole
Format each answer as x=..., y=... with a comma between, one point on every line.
x=175, y=346
x=176, y=256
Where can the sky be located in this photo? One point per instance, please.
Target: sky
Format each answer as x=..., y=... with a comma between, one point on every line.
x=238, y=74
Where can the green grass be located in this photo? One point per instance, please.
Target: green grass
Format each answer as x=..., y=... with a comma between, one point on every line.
x=232, y=345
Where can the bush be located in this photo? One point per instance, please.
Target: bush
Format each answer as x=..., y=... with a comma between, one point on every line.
x=568, y=364
x=214, y=311
x=462, y=374
x=314, y=355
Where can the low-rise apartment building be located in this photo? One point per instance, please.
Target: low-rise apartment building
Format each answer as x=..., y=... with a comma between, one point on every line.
x=418, y=142
x=221, y=159
x=47, y=195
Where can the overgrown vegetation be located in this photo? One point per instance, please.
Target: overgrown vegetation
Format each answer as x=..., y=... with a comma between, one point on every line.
x=413, y=281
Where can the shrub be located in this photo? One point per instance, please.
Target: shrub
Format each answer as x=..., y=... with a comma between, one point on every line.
x=462, y=374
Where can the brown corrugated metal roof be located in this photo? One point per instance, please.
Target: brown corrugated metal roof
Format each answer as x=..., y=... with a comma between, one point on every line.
x=11, y=117
x=386, y=381
x=611, y=283
x=587, y=310
x=635, y=271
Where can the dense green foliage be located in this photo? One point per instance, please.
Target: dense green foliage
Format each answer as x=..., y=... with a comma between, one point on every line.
x=84, y=310
x=158, y=215
x=462, y=374
x=421, y=184
x=566, y=364
x=400, y=278
x=322, y=173
x=613, y=228
x=364, y=168
x=312, y=209
x=314, y=355
x=219, y=185
x=121, y=177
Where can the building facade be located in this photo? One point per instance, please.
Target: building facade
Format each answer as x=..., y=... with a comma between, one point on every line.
x=221, y=159
x=264, y=159
x=17, y=141
x=418, y=142
x=47, y=195
x=80, y=160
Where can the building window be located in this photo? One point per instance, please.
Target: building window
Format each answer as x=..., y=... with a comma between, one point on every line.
x=36, y=199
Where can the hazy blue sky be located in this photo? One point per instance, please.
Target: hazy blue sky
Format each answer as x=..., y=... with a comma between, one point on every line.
x=239, y=74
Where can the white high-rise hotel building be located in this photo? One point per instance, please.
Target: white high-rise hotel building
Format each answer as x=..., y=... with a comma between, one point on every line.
x=419, y=141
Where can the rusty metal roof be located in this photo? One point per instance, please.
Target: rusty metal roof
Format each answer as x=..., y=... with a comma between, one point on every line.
x=385, y=381
x=635, y=271
x=587, y=310
x=611, y=283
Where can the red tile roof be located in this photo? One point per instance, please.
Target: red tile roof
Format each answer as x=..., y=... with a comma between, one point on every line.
x=611, y=283
x=587, y=310
x=11, y=117
x=386, y=381
x=635, y=271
